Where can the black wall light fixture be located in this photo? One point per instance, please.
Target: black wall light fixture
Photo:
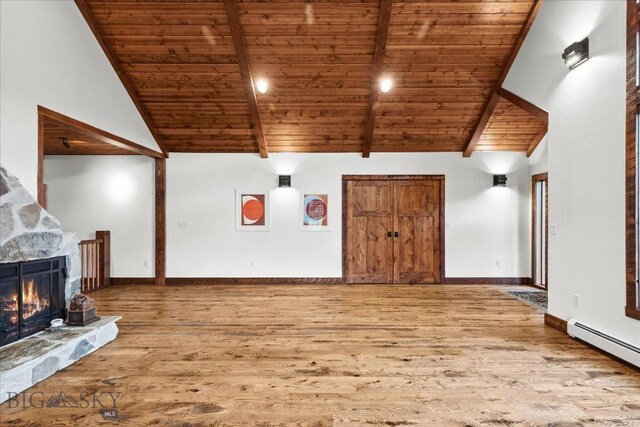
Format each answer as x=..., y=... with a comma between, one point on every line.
x=284, y=181
x=576, y=54
x=500, y=180
x=64, y=142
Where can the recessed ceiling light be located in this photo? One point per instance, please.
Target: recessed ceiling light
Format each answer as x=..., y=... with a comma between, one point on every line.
x=262, y=85
x=385, y=85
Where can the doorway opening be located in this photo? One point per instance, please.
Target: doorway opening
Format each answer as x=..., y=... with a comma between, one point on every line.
x=540, y=230
x=90, y=177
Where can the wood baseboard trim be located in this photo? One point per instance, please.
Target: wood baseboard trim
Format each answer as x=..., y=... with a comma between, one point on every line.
x=255, y=281
x=632, y=312
x=555, y=322
x=526, y=281
x=304, y=281
x=133, y=280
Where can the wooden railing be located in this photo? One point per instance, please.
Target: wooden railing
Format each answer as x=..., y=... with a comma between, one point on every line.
x=95, y=258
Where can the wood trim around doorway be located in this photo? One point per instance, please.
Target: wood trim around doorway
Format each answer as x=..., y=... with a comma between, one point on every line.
x=632, y=305
x=534, y=180
x=134, y=148
x=346, y=178
x=160, y=220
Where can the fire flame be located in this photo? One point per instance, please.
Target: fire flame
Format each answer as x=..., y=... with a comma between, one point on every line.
x=31, y=301
x=11, y=306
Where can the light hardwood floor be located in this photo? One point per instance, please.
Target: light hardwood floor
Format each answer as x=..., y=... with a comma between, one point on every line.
x=338, y=355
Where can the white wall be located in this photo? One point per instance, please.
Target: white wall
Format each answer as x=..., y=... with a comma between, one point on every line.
x=51, y=58
x=586, y=155
x=539, y=160
x=483, y=223
x=116, y=193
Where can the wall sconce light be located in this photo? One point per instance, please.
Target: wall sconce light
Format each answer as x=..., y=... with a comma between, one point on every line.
x=577, y=53
x=284, y=181
x=500, y=180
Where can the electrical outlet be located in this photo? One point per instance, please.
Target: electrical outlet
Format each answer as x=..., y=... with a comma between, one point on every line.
x=498, y=263
x=576, y=300
x=183, y=224
x=553, y=229
x=146, y=263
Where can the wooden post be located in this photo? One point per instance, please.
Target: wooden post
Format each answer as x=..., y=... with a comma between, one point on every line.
x=161, y=214
x=105, y=263
x=42, y=201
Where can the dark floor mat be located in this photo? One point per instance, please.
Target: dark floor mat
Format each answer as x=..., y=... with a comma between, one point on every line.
x=535, y=298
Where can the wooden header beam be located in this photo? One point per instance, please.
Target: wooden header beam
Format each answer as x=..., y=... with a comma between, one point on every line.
x=491, y=102
x=522, y=103
x=245, y=71
x=133, y=94
x=530, y=108
x=378, y=67
x=98, y=134
x=536, y=141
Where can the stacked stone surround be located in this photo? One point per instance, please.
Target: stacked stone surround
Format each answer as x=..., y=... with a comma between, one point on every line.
x=28, y=232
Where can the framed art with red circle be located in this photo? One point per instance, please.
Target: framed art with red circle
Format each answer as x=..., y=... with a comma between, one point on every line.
x=252, y=210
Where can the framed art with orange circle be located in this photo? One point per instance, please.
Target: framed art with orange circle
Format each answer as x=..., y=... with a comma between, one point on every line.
x=252, y=210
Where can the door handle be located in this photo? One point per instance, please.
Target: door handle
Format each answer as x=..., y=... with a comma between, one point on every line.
x=389, y=234
x=397, y=234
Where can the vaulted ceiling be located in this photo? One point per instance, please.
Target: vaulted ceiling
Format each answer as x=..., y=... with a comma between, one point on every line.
x=190, y=66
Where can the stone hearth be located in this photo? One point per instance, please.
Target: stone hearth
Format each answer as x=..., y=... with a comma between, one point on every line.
x=31, y=360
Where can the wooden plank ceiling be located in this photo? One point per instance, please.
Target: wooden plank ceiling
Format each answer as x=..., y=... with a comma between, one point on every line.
x=78, y=142
x=445, y=59
x=514, y=125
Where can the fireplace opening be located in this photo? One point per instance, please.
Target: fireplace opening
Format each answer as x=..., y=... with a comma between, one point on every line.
x=31, y=295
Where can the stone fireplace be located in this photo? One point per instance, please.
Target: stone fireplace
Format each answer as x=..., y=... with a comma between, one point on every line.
x=39, y=263
x=31, y=295
x=40, y=270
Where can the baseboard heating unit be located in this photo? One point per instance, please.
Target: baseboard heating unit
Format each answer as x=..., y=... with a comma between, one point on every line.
x=611, y=345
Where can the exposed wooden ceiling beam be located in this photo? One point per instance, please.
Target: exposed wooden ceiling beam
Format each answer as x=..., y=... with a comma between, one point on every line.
x=133, y=94
x=536, y=141
x=488, y=111
x=99, y=134
x=522, y=103
x=530, y=108
x=247, y=81
x=490, y=104
x=378, y=67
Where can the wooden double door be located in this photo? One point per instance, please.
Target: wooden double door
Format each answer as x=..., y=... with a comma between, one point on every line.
x=393, y=229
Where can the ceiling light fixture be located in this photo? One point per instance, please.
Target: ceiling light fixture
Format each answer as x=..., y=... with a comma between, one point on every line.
x=262, y=85
x=576, y=54
x=386, y=84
